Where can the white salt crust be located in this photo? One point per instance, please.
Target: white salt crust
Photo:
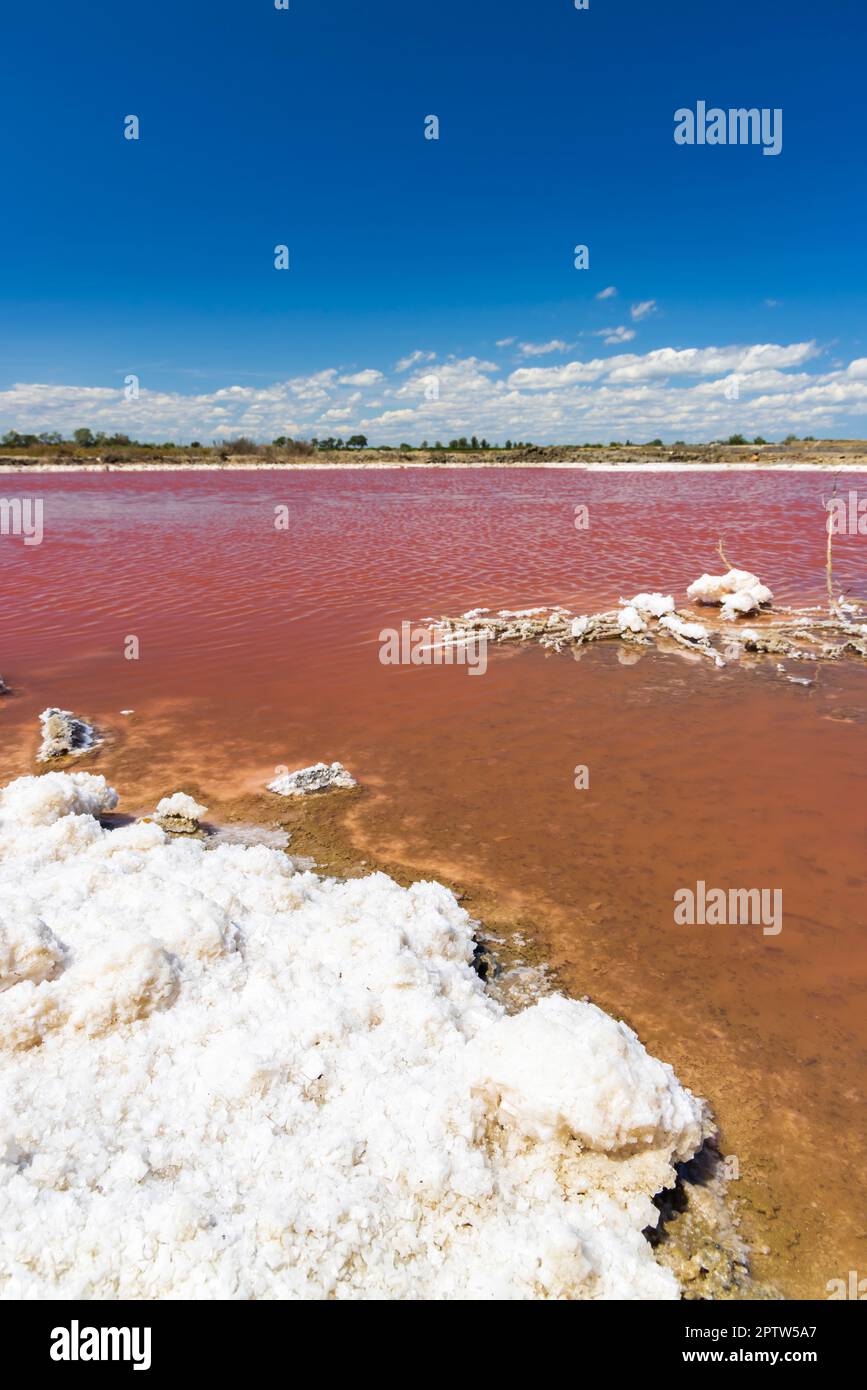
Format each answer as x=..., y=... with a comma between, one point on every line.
x=222, y=1078
x=180, y=804
x=630, y=620
x=738, y=592
x=316, y=778
x=64, y=735
x=655, y=604
x=695, y=632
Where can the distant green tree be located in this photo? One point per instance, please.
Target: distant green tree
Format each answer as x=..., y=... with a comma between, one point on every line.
x=736, y=439
x=84, y=438
x=359, y=441
x=758, y=440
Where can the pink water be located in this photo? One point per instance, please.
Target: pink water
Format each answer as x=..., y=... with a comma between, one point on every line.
x=258, y=647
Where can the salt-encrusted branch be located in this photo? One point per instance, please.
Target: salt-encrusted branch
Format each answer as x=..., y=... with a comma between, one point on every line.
x=651, y=619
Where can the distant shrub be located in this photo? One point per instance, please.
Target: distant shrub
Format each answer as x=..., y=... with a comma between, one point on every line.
x=241, y=445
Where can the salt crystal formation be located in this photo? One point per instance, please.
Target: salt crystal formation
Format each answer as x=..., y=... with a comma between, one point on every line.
x=222, y=1078
x=655, y=604
x=317, y=778
x=63, y=734
x=179, y=814
x=738, y=592
x=693, y=632
x=630, y=620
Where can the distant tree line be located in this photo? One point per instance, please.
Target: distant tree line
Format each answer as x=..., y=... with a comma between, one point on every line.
x=86, y=439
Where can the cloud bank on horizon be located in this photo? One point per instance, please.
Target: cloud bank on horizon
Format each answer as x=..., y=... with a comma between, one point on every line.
x=671, y=393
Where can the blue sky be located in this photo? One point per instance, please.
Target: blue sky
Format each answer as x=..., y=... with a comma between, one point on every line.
x=306, y=127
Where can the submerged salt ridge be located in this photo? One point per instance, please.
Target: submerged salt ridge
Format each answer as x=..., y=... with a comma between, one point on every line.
x=225, y=1078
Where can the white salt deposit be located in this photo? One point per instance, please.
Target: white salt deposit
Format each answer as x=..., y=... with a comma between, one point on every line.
x=179, y=804
x=179, y=813
x=222, y=1078
x=738, y=592
x=654, y=604
x=630, y=620
x=694, y=632
x=579, y=625
x=63, y=734
x=316, y=778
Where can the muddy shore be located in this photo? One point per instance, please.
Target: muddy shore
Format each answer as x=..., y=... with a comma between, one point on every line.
x=831, y=455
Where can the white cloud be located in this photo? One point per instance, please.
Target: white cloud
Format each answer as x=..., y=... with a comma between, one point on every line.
x=608, y=293
x=642, y=309
x=674, y=392
x=369, y=377
x=542, y=349
x=620, y=334
x=403, y=364
x=505, y=342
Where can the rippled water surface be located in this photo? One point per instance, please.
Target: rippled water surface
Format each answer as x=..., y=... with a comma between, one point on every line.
x=258, y=647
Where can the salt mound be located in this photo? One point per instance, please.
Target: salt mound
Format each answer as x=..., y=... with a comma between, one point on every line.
x=630, y=620
x=738, y=592
x=222, y=1078
x=63, y=734
x=655, y=604
x=317, y=778
x=179, y=813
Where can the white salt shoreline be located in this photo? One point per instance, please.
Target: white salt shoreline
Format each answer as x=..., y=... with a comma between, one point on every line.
x=222, y=1077
x=397, y=466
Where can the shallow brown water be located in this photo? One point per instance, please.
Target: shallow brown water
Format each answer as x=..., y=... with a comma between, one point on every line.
x=258, y=647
